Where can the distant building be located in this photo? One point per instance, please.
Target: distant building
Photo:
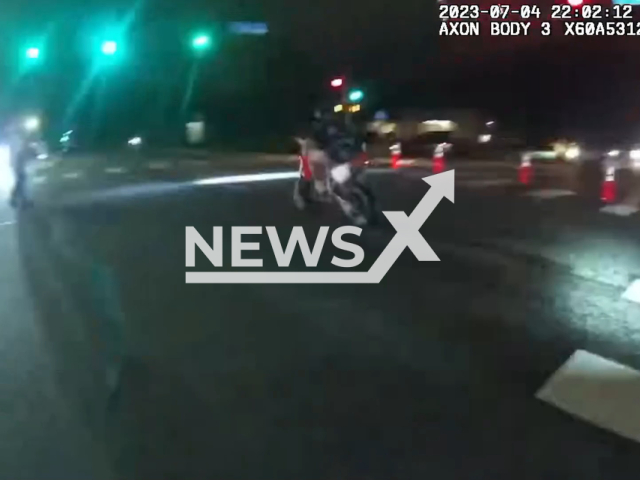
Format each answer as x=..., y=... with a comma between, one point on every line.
x=455, y=124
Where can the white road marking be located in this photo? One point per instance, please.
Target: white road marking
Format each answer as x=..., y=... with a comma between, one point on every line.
x=44, y=165
x=159, y=165
x=115, y=170
x=549, y=193
x=39, y=179
x=632, y=293
x=620, y=210
x=196, y=163
x=597, y=390
x=6, y=224
x=72, y=175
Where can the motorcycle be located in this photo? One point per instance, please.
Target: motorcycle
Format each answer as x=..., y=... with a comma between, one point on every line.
x=344, y=184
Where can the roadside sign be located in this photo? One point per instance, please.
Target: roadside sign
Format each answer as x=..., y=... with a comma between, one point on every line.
x=381, y=115
x=249, y=28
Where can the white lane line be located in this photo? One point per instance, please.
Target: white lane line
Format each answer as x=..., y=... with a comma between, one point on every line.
x=620, y=210
x=546, y=194
x=421, y=173
x=632, y=293
x=597, y=390
x=6, y=224
x=72, y=175
x=115, y=170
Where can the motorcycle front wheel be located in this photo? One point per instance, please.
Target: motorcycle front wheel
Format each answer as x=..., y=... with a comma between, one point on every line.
x=359, y=206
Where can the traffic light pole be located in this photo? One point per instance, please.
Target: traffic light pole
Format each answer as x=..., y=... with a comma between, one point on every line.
x=348, y=120
x=188, y=94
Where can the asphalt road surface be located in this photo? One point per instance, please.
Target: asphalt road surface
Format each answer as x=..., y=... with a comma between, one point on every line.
x=112, y=366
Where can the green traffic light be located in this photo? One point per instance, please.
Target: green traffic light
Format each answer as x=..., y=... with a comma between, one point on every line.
x=201, y=42
x=33, y=53
x=356, y=95
x=109, y=47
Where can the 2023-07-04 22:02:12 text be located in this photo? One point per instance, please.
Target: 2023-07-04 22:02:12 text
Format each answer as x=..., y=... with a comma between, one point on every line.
x=523, y=20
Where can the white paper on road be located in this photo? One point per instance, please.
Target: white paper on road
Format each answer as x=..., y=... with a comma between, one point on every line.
x=633, y=292
x=597, y=390
x=549, y=193
x=620, y=210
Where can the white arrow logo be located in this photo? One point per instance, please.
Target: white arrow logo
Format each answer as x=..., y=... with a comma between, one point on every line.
x=407, y=235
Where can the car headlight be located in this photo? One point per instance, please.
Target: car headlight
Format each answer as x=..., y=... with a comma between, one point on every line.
x=613, y=153
x=32, y=124
x=572, y=153
x=635, y=155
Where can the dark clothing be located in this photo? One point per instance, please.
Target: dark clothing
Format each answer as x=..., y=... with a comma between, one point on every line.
x=334, y=138
x=19, y=159
x=19, y=191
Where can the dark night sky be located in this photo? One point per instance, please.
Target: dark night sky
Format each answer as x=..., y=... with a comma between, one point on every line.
x=392, y=48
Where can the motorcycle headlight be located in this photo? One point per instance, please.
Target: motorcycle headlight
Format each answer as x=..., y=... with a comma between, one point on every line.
x=341, y=173
x=572, y=153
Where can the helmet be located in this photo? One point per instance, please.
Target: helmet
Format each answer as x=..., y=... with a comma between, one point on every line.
x=323, y=115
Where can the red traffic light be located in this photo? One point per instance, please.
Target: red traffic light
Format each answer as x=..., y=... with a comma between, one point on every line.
x=575, y=3
x=337, y=82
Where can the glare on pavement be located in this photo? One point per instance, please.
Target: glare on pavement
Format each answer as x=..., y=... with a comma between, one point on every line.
x=257, y=177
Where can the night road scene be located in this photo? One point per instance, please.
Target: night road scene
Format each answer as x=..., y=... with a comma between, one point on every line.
x=342, y=241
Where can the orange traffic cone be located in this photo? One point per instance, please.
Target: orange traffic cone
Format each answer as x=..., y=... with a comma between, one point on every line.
x=396, y=155
x=609, y=190
x=438, y=159
x=525, y=171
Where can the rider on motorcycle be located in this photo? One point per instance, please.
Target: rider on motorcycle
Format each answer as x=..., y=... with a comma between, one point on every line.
x=24, y=144
x=329, y=142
